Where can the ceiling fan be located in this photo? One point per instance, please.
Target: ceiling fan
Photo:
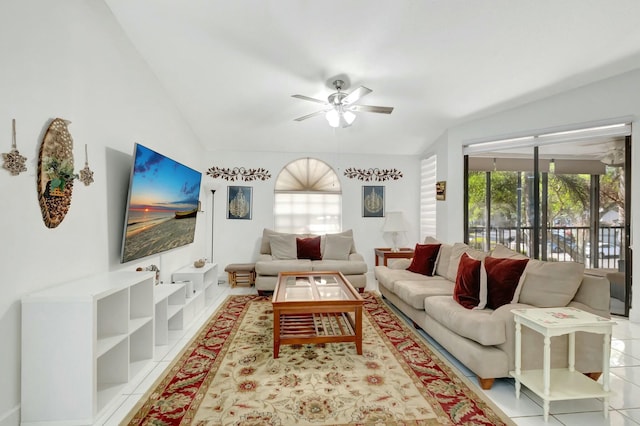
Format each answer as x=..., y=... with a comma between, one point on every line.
x=340, y=106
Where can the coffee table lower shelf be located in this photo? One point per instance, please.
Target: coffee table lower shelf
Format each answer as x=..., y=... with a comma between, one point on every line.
x=326, y=327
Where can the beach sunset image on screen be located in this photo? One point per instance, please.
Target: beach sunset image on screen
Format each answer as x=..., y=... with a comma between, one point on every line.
x=162, y=205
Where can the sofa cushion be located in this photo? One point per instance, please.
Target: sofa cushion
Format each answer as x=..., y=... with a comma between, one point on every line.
x=337, y=247
x=549, y=284
x=272, y=267
x=283, y=247
x=347, y=267
x=387, y=277
x=503, y=252
x=347, y=233
x=265, y=244
x=444, y=258
x=474, y=324
x=467, y=288
x=308, y=248
x=424, y=259
x=415, y=292
x=503, y=276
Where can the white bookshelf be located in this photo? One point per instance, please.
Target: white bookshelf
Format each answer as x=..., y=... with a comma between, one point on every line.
x=203, y=280
x=169, y=304
x=82, y=342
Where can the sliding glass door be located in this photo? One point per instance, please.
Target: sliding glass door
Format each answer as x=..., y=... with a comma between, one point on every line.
x=561, y=202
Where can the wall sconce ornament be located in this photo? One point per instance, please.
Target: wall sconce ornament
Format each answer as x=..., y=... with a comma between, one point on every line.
x=231, y=174
x=13, y=161
x=55, y=173
x=86, y=175
x=378, y=175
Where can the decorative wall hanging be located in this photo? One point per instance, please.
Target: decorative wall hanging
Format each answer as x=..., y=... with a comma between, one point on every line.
x=239, y=201
x=441, y=190
x=246, y=175
x=373, y=174
x=13, y=161
x=86, y=175
x=55, y=173
x=373, y=201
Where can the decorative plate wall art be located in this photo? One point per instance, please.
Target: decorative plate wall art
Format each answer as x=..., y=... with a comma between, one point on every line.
x=55, y=173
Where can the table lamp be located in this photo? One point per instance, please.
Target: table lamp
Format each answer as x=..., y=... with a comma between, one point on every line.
x=394, y=223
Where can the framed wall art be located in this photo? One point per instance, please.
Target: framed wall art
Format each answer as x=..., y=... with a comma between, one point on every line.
x=239, y=202
x=441, y=190
x=373, y=201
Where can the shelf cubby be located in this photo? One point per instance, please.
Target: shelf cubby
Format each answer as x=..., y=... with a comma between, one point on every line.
x=99, y=331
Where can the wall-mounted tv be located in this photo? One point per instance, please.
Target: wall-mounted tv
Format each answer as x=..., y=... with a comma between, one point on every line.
x=161, y=206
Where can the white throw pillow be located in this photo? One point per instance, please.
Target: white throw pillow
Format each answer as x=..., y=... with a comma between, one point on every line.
x=548, y=284
x=337, y=247
x=503, y=252
x=265, y=245
x=283, y=247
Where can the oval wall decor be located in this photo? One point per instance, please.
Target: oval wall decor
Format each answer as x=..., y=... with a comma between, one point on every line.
x=55, y=173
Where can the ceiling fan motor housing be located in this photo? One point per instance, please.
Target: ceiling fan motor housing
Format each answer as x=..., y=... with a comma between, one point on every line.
x=336, y=98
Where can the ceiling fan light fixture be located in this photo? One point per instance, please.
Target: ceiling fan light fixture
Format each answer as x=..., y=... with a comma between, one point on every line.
x=341, y=107
x=349, y=117
x=333, y=117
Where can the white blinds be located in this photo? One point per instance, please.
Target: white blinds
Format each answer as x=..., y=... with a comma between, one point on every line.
x=308, y=213
x=550, y=138
x=428, y=168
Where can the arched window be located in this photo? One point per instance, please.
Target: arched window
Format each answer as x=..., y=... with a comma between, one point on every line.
x=308, y=198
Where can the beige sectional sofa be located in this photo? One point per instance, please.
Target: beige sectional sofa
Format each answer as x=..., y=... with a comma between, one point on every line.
x=337, y=252
x=484, y=339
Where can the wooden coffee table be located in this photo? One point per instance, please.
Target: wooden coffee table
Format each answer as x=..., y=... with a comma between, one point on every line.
x=316, y=307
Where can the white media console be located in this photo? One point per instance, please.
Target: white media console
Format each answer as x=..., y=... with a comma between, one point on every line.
x=85, y=340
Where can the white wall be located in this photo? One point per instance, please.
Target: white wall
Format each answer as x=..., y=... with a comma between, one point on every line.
x=237, y=241
x=607, y=99
x=70, y=59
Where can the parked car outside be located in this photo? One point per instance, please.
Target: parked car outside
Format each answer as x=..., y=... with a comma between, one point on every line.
x=605, y=250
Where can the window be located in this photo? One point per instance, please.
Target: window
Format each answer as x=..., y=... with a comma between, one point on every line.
x=428, y=168
x=308, y=198
x=555, y=196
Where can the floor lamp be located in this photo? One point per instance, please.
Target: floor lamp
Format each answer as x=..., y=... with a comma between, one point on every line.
x=213, y=193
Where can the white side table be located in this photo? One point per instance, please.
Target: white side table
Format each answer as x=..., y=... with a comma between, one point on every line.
x=562, y=383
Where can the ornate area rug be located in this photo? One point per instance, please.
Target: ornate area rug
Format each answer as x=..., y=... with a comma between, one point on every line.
x=227, y=376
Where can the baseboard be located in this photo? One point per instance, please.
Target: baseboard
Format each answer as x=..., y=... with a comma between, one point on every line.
x=11, y=417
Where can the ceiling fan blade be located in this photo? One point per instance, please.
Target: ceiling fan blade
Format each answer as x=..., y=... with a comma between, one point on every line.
x=307, y=98
x=371, y=108
x=313, y=114
x=356, y=95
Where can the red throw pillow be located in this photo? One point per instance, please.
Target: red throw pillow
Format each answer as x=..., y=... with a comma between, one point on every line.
x=467, y=289
x=309, y=248
x=424, y=259
x=502, y=279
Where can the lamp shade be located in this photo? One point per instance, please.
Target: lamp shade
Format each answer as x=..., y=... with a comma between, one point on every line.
x=394, y=222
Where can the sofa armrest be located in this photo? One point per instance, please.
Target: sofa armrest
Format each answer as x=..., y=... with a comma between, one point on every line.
x=264, y=258
x=356, y=256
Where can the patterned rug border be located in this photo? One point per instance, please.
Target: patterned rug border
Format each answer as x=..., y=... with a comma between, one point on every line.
x=455, y=374
x=471, y=385
x=188, y=349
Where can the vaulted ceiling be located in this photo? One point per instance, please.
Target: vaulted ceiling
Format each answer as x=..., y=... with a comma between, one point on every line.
x=232, y=66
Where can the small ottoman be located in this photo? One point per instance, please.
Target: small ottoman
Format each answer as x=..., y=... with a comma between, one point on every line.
x=243, y=274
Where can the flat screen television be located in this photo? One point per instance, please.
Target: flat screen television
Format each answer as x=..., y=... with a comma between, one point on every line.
x=161, y=206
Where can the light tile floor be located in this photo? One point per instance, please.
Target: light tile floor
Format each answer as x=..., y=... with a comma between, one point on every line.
x=526, y=411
